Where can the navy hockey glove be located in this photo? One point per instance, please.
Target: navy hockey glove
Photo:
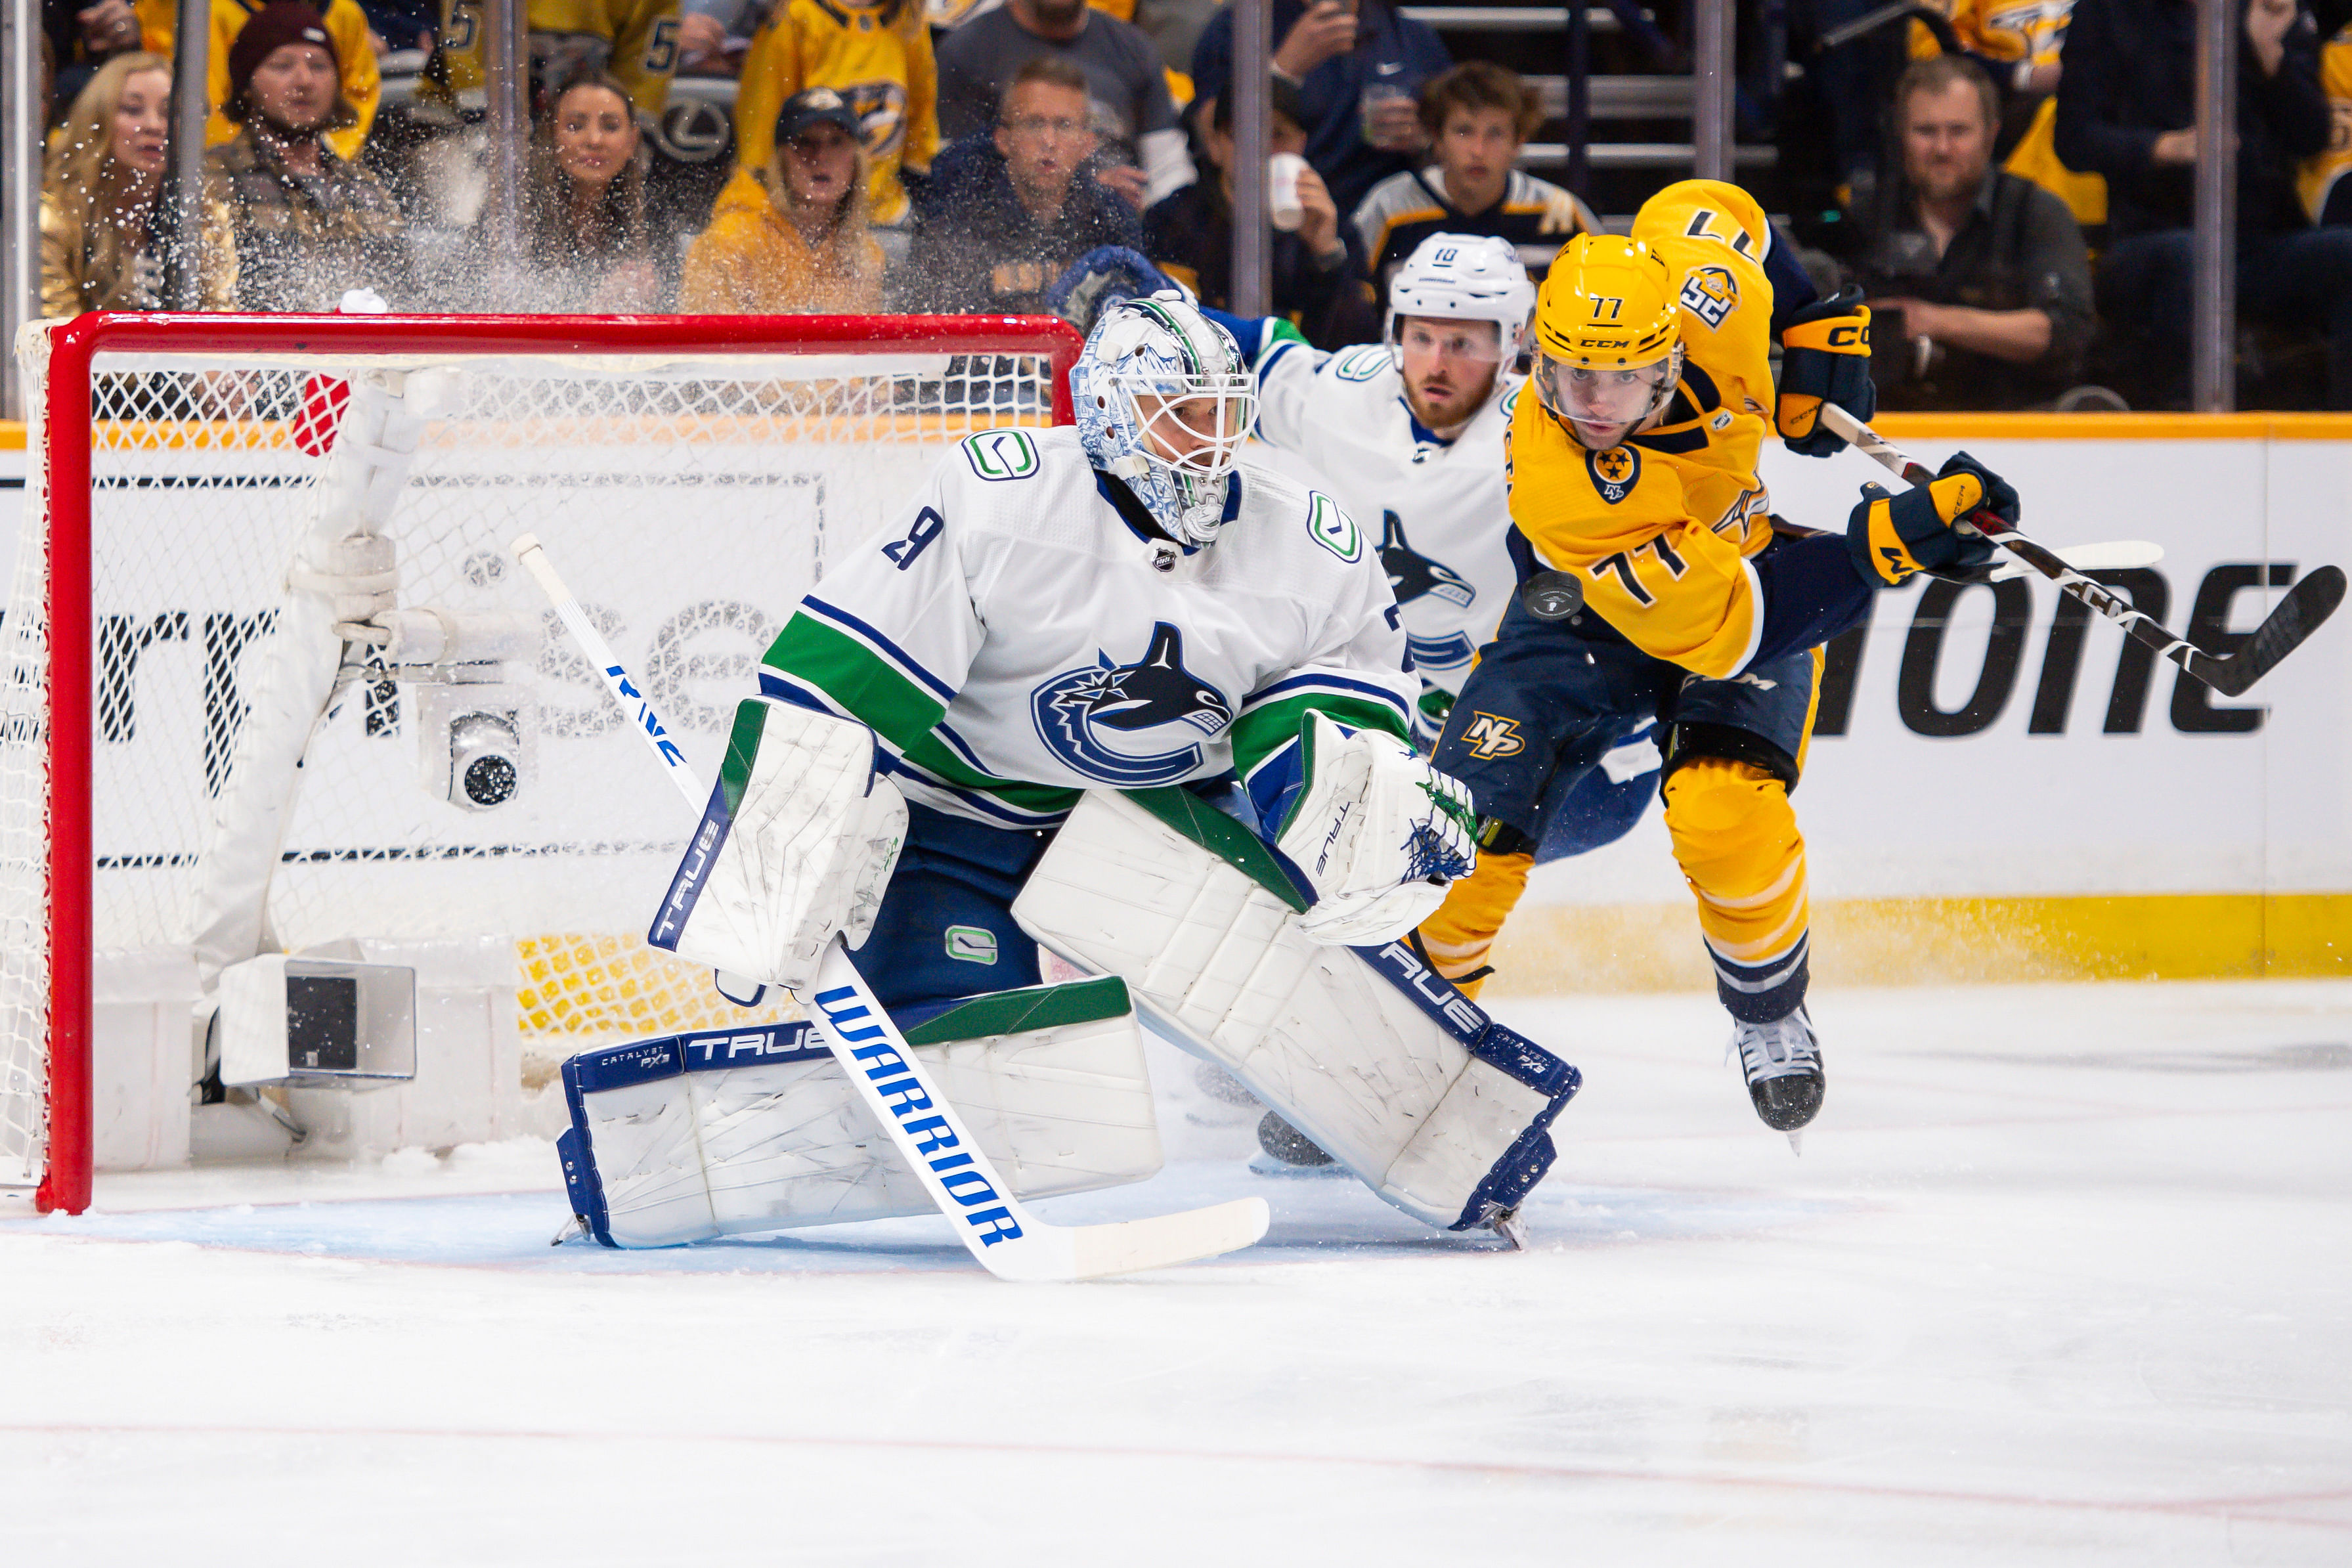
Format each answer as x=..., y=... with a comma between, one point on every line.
x=1824, y=358
x=1102, y=277
x=1891, y=537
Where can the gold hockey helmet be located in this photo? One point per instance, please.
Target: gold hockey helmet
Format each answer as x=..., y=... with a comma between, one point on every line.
x=1608, y=334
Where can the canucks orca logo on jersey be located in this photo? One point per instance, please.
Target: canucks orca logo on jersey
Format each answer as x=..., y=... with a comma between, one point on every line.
x=1412, y=573
x=1100, y=720
x=1412, y=576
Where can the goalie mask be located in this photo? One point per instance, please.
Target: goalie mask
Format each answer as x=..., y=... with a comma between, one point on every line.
x=1164, y=404
x=1466, y=277
x=1608, y=337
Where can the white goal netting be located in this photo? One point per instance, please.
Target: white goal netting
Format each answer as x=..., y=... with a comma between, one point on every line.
x=689, y=502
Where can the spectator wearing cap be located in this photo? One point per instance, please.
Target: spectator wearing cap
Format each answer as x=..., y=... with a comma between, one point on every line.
x=310, y=225
x=877, y=53
x=1316, y=273
x=1359, y=66
x=1477, y=117
x=1140, y=142
x=791, y=238
x=1007, y=211
x=584, y=202
x=346, y=25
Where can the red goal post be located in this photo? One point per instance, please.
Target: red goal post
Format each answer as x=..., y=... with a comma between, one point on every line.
x=217, y=413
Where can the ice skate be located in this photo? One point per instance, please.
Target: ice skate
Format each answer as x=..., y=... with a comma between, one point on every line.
x=1782, y=1061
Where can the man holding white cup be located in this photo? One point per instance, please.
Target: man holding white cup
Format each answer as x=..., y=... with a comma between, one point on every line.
x=1359, y=66
x=1316, y=269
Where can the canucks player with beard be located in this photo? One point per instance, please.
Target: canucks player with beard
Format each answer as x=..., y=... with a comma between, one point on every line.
x=1411, y=431
x=1120, y=605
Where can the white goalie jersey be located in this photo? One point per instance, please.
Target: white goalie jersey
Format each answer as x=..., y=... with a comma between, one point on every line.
x=1440, y=511
x=1014, y=640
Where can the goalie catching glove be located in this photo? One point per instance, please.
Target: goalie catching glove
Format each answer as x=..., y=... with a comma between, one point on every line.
x=1824, y=358
x=1376, y=833
x=796, y=845
x=1893, y=536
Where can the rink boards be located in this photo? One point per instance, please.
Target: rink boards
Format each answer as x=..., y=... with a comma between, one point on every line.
x=1998, y=787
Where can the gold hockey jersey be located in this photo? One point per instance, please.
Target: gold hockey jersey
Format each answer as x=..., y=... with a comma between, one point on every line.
x=1659, y=528
x=2018, y=33
x=877, y=57
x=2316, y=176
x=636, y=41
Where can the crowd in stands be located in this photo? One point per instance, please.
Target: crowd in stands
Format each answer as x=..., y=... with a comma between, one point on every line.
x=2017, y=182
x=2012, y=177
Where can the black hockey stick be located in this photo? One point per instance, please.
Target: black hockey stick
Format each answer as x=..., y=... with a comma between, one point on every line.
x=2305, y=609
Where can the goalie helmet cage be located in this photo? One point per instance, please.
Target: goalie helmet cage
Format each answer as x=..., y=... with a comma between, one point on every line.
x=180, y=464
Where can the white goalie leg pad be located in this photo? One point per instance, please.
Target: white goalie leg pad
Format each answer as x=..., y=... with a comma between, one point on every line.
x=724, y=1132
x=796, y=845
x=1388, y=1069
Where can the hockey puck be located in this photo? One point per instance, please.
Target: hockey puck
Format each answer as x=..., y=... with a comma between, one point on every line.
x=1552, y=595
x=1288, y=1143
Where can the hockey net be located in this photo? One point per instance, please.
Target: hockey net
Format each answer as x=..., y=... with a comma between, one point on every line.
x=690, y=476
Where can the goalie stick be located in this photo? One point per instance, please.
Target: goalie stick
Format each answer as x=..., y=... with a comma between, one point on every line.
x=1009, y=1242
x=2302, y=612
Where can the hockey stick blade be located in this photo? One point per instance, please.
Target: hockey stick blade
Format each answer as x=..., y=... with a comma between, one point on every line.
x=898, y=1093
x=2305, y=609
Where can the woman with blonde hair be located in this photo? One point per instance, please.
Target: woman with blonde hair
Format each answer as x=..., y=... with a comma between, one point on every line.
x=584, y=205
x=106, y=237
x=791, y=239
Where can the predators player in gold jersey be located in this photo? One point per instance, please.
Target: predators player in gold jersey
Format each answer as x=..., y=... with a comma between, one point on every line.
x=1633, y=476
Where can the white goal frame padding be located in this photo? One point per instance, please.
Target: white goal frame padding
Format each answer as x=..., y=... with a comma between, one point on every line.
x=909, y=370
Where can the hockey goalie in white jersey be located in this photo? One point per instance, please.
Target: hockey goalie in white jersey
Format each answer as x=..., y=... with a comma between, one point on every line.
x=1014, y=721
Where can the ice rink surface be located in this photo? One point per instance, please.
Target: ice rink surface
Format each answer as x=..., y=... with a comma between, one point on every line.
x=2063, y=1276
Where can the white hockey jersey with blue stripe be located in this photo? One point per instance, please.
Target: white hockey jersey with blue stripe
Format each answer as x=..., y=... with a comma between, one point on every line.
x=1013, y=641
x=1439, y=512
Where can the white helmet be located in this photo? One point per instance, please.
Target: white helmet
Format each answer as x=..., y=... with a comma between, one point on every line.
x=1466, y=277
x=1157, y=368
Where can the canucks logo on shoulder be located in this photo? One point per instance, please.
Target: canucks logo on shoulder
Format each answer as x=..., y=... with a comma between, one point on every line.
x=1411, y=576
x=1117, y=722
